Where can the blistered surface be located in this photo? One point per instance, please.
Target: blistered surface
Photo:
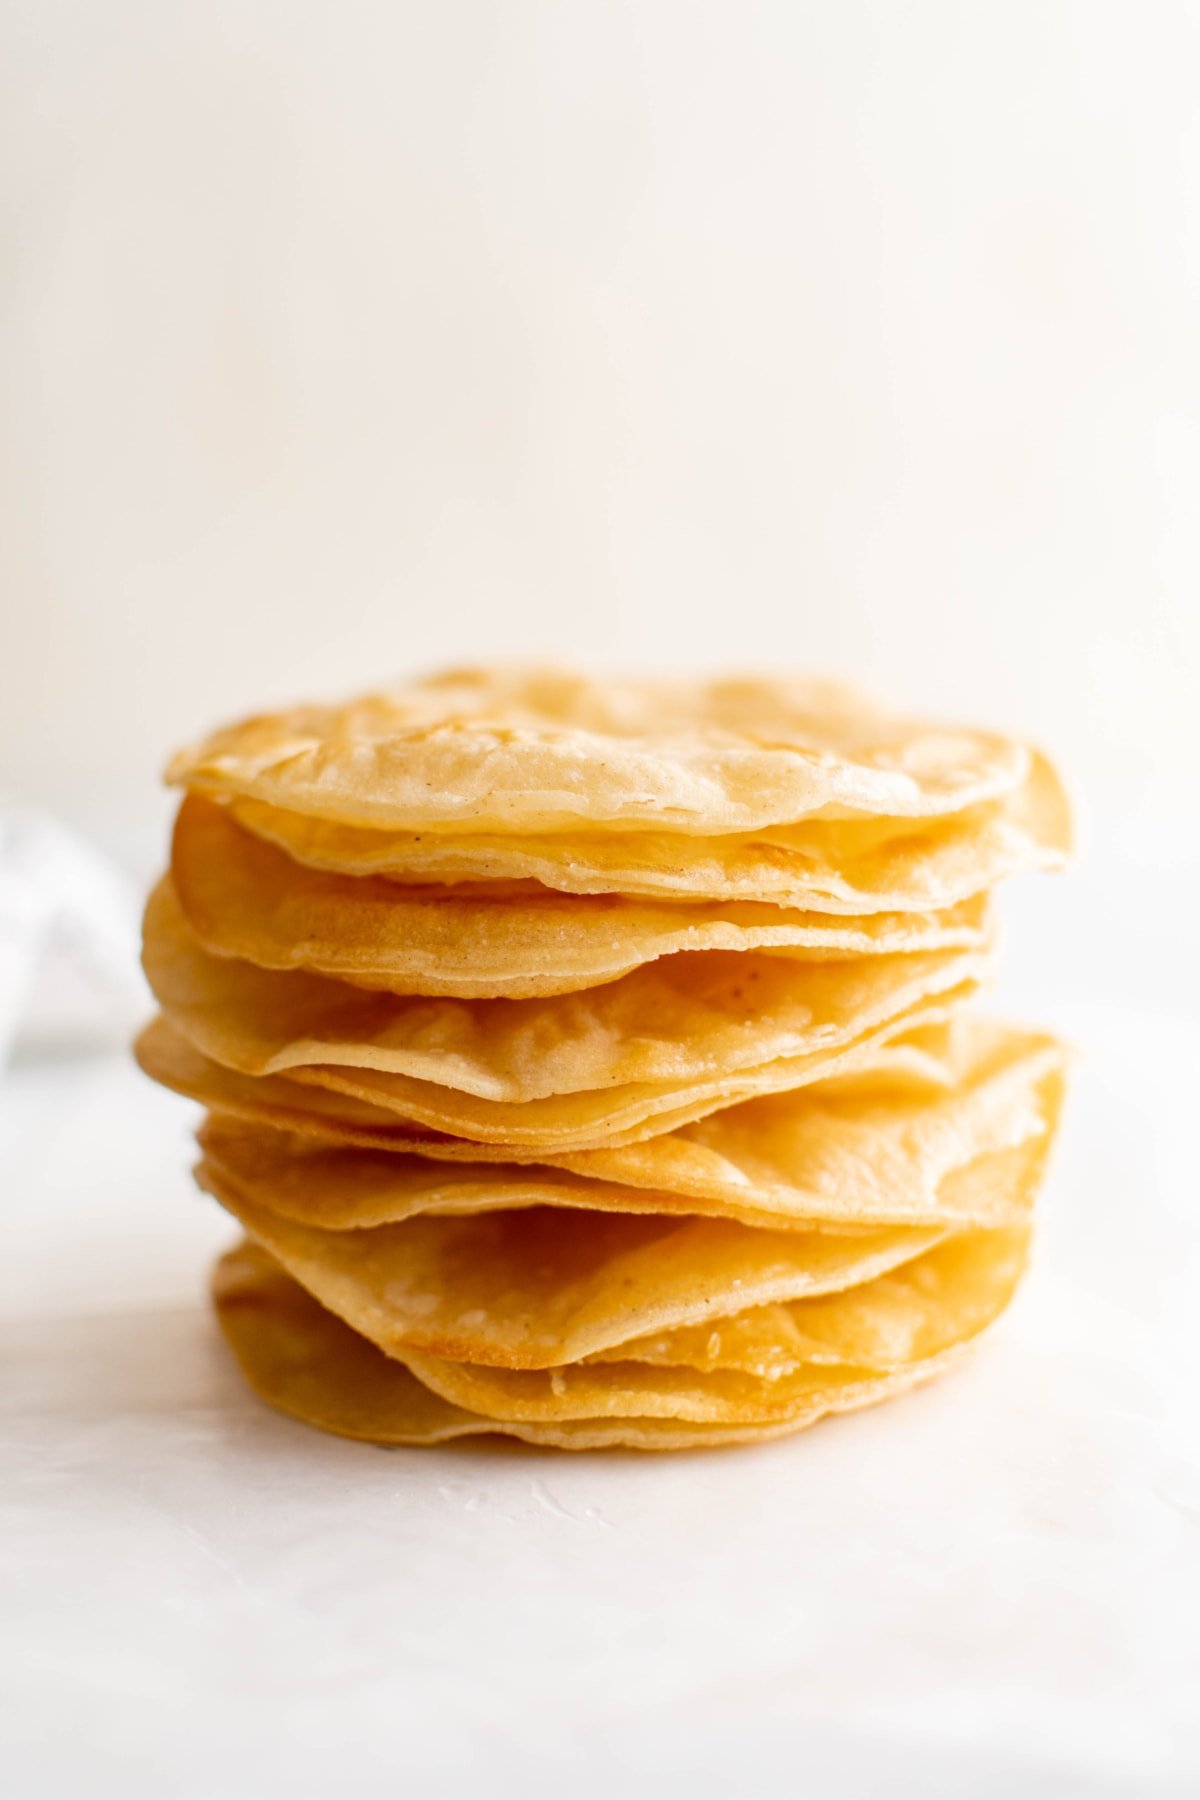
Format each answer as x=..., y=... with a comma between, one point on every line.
x=245, y=898
x=882, y=1148
x=665, y=1043
x=857, y=865
x=526, y=749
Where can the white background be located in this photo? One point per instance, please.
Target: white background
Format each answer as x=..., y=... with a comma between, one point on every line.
x=341, y=340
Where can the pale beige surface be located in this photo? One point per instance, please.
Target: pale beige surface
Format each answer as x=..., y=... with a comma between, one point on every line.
x=502, y=1291
x=325, y=1112
x=306, y=1362
x=244, y=898
x=680, y=1021
x=541, y=1286
x=943, y=1297
x=880, y=1148
x=850, y=866
x=931, y=1316
x=524, y=750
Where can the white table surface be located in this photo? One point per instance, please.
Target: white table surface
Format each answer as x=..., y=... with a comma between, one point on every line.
x=989, y=1587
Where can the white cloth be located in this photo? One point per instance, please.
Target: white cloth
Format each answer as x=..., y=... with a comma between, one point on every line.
x=69, y=977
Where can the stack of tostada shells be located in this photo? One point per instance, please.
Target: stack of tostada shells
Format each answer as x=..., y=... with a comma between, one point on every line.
x=586, y=1060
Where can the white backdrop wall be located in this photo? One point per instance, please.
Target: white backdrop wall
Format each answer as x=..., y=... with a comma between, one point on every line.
x=341, y=339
